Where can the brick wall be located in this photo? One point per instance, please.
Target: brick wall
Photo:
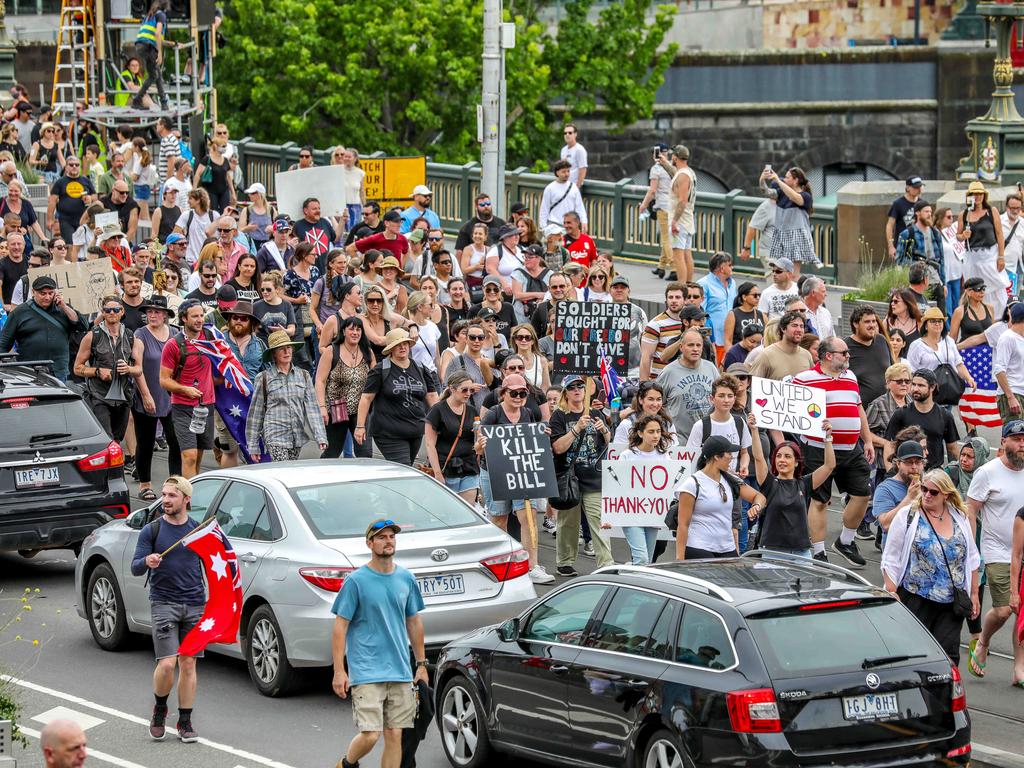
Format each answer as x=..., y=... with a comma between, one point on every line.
x=833, y=23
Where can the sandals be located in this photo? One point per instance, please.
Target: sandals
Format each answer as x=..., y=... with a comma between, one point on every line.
x=1018, y=684
x=975, y=667
x=147, y=495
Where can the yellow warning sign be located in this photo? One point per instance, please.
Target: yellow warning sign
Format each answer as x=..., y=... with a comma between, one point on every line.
x=390, y=180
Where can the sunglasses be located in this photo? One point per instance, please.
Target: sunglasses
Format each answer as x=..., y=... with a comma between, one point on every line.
x=517, y=393
x=484, y=204
x=369, y=213
x=844, y=353
x=778, y=271
x=754, y=295
x=492, y=289
x=524, y=337
x=444, y=263
x=515, y=368
x=435, y=239
x=929, y=491
x=209, y=276
x=475, y=337
x=60, y=247
x=382, y=524
x=901, y=381
x=224, y=231
x=304, y=157
x=695, y=297
x=465, y=390
x=375, y=301
x=111, y=310
x=266, y=290
x=574, y=386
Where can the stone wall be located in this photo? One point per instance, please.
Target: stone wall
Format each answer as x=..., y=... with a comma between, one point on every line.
x=834, y=23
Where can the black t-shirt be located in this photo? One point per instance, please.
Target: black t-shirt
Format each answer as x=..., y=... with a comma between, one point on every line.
x=497, y=415
x=209, y=301
x=506, y=318
x=494, y=225
x=784, y=519
x=400, y=405
x=252, y=293
x=69, y=192
x=869, y=364
x=133, y=319
x=261, y=309
x=11, y=272
x=124, y=210
x=361, y=230
x=903, y=211
x=445, y=422
x=587, y=450
x=938, y=425
x=219, y=184
x=532, y=403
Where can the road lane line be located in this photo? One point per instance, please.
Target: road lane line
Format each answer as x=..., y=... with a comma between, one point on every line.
x=72, y=699
x=94, y=754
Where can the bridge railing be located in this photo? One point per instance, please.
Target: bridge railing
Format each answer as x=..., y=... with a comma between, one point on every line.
x=612, y=207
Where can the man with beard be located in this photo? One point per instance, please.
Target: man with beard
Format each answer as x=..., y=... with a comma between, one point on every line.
x=870, y=354
x=421, y=199
x=922, y=243
x=484, y=215
x=903, y=487
x=785, y=358
x=995, y=494
x=131, y=298
x=937, y=423
x=370, y=224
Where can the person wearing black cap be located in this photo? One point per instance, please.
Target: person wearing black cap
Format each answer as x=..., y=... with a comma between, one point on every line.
x=390, y=239
x=901, y=213
x=937, y=423
x=530, y=281
x=42, y=327
x=904, y=486
x=693, y=317
x=972, y=317
x=500, y=310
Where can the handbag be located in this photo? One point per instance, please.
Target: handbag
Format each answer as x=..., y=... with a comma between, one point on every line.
x=569, y=494
x=950, y=386
x=338, y=410
x=426, y=469
x=963, y=607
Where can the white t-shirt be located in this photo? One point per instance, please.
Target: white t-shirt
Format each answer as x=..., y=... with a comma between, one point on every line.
x=1014, y=245
x=182, y=187
x=998, y=488
x=196, y=232
x=351, y=183
x=711, y=523
x=920, y=355
x=1009, y=359
x=635, y=454
x=994, y=333
x=773, y=300
x=664, y=186
x=425, y=348
x=577, y=157
x=726, y=429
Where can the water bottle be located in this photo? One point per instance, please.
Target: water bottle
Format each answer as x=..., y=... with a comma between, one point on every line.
x=200, y=413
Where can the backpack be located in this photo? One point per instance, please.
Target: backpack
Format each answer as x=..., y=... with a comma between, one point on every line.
x=737, y=420
x=183, y=351
x=672, y=516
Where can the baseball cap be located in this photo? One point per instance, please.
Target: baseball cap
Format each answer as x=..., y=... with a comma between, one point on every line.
x=173, y=238
x=681, y=151
x=518, y=208
x=1017, y=313
x=23, y=106
x=926, y=374
x=257, y=187
x=281, y=224
x=227, y=293
x=716, y=445
x=392, y=216
x=181, y=483
x=415, y=236
x=379, y=525
x=1015, y=427
x=692, y=312
x=487, y=313
x=915, y=181
x=662, y=147
x=974, y=284
x=620, y=280
x=738, y=369
x=42, y=282
x=421, y=189
x=492, y=280
x=909, y=449
x=571, y=379
x=553, y=229
x=533, y=250
x=786, y=265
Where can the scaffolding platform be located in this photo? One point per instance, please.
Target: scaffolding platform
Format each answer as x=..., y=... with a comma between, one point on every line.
x=111, y=117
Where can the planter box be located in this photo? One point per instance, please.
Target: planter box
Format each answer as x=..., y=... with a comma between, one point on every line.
x=881, y=309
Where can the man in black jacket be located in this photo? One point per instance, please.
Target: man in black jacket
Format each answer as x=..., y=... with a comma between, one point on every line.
x=42, y=327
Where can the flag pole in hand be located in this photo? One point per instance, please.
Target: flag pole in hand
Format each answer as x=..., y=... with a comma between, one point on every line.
x=207, y=520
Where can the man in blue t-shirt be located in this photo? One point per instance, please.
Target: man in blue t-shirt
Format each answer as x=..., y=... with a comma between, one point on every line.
x=377, y=620
x=177, y=597
x=903, y=487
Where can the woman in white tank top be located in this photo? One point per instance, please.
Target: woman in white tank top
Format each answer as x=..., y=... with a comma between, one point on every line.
x=472, y=257
x=525, y=344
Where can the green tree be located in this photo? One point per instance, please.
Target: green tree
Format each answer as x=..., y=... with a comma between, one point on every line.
x=407, y=79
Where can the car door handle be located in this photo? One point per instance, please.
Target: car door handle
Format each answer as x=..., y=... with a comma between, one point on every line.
x=248, y=557
x=558, y=669
x=638, y=685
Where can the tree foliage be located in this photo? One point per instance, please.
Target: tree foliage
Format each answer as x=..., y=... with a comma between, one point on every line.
x=407, y=78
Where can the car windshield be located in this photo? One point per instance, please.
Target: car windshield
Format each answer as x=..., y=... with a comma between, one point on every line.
x=32, y=421
x=824, y=641
x=338, y=510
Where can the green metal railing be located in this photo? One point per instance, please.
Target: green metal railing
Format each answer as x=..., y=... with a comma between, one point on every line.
x=613, y=207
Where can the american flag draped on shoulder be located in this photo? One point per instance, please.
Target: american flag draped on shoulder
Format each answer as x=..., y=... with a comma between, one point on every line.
x=234, y=395
x=223, y=611
x=978, y=406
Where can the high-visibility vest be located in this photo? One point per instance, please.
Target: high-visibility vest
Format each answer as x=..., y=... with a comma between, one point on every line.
x=147, y=31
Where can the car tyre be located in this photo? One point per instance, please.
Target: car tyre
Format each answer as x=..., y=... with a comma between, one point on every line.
x=463, y=725
x=105, y=609
x=266, y=657
x=664, y=750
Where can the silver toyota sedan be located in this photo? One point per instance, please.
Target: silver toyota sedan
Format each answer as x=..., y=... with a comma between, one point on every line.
x=298, y=528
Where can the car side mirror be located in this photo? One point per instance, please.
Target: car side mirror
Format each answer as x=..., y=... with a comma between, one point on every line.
x=138, y=518
x=509, y=630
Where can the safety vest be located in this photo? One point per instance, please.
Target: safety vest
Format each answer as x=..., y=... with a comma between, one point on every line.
x=147, y=31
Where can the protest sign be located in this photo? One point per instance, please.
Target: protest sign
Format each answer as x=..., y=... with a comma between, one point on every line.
x=105, y=219
x=676, y=453
x=583, y=329
x=519, y=461
x=639, y=492
x=82, y=284
x=787, y=407
x=324, y=182
x=390, y=180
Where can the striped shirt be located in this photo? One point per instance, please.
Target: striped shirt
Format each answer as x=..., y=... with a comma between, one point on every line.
x=660, y=332
x=842, y=401
x=169, y=148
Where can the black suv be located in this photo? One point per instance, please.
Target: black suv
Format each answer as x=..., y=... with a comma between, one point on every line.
x=761, y=660
x=61, y=476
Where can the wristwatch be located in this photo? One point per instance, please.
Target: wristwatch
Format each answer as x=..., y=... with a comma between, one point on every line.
x=421, y=663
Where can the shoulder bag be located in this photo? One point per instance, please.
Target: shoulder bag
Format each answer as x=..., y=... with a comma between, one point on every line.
x=426, y=469
x=950, y=386
x=963, y=607
x=569, y=494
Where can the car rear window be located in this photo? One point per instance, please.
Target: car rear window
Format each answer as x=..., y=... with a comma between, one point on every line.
x=823, y=641
x=345, y=509
x=48, y=419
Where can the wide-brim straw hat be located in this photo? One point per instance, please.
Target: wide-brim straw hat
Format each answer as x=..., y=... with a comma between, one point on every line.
x=278, y=340
x=394, y=337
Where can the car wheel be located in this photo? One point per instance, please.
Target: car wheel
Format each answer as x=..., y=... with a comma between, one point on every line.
x=463, y=726
x=105, y=609
x=663, y=750
x=266, y=656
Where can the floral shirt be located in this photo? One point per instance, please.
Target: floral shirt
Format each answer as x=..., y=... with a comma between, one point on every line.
x=295, y=284
x=927, y=575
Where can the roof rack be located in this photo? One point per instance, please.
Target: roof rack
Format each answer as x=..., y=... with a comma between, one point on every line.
x=788, y=557
x=692, y=581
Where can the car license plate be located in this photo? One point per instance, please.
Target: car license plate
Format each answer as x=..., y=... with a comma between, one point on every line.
x=442, y=584
x=37, y=477
x=870, y=706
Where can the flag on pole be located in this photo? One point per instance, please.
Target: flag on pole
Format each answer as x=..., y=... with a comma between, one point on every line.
x=609, y=378
x=978, y=406
x=223, y=611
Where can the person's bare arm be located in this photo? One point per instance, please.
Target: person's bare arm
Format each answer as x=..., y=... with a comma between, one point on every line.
x=890, y=236
x=414, y=627
x=51, y=214
x=338, y=637
x=652, y=190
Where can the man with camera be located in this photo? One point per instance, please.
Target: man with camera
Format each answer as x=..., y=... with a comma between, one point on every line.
x=656, y=202
x=922, y=242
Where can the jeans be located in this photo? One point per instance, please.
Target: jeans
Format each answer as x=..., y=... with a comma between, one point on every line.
x=497, y=508
x=641, y=542
x=567, y=531
x=785, y=550
x=952, y=297
x=147, y=54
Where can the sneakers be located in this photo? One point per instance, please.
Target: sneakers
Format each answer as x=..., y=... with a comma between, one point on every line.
x=549, y=525
x=187, y=733
x=588, y=549
x=157, y=731
x=849, y=553
x=821, y=556
x=878, y=538
x=566, y=570
x=864, y=532
x=539, y=576
x=161, y=444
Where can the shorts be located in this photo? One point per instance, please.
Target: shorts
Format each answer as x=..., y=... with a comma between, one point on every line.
x=1004, y=408
x=171, y=622
x=181, y=417
x=460, y=484
x=682, y=241
x=380, y=706
x=225, y=441
x=997, y=577
x=142, y=193
x=852, y=474
x=497, y=508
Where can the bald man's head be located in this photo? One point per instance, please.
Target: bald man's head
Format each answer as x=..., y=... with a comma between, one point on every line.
x=63, y=744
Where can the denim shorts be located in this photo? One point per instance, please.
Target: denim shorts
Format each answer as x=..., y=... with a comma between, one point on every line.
x=497, y=508
x=460, y=484
x=171, y=622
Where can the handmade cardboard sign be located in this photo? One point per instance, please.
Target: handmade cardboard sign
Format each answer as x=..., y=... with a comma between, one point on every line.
x=519, y=461
x=586, y=329
x=639, y=492
x=82, y=284
x=787, y=407
x=676, y=453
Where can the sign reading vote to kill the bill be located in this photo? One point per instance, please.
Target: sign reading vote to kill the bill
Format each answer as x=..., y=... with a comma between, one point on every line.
x=583, y=328
x=639, y=492
x=519, y=461
x=787, y=407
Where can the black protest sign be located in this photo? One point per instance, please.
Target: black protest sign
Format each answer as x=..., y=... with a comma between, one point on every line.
x=583, y=328
x=519, y=461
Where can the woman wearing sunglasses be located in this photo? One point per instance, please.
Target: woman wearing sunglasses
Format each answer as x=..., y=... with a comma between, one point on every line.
x=525, y=344
x=596, y=288
x=744, y=312
x=449, y=437
x=930, y=555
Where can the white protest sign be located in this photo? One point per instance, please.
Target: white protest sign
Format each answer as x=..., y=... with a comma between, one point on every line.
x=103, y=219
x=82, y=284
x=676, y=453
x=787, y=407
x=639, y=492
x=324, y=182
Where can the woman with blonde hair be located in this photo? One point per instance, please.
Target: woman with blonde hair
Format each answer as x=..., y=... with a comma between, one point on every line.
x=525, y=344
x=257, y=220
x=597, y=285
x=9, y=142
x=213, y=172
x=930, y=561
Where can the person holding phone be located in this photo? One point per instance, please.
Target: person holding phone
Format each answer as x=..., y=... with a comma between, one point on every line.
x=981, y=229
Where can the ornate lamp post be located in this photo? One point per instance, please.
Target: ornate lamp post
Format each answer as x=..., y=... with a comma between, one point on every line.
x=6, y=54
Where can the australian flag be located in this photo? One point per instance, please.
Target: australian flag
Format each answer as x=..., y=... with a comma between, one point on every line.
x=235, y=393
x=223, y=611
x=609, y=378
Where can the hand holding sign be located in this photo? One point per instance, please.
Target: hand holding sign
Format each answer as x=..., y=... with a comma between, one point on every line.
x=787, y=407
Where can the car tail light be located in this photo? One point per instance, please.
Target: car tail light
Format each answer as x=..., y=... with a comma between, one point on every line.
x=829, y=606
x=959, y=751
x=508, y=567
x=959, y=695
x=110, y=457
x=120, y=510
x=329, y=579
x=18, y=402
x=753, y=711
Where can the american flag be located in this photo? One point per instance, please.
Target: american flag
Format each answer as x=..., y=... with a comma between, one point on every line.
x=609, y=378
x=978, y=406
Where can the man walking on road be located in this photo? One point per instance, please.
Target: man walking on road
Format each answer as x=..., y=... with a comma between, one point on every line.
x=63, y=744
x=574, y=153
x=377, y=619
x=177, y=597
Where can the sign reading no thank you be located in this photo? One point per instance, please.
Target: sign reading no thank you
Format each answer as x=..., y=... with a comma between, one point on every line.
x=583, y=329
x=519, y=461
x=639, y=492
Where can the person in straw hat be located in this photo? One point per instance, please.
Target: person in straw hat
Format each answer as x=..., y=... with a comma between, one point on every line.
x=982, y=231
x=390, y=273
x=283, y=412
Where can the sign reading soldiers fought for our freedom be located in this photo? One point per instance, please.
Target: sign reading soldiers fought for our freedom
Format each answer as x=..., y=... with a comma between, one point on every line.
x=585, y=329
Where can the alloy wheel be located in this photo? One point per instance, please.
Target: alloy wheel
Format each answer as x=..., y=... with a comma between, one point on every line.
x=104, y=607
x=459, y=725
x=663, y=754
x=266, y=650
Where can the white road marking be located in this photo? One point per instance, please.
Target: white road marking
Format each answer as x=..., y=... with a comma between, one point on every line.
x=70, y=698
x=94, y=754
x=63, y=713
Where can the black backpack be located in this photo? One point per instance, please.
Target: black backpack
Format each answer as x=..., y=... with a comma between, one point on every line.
x=672, y=516
x=184, y=353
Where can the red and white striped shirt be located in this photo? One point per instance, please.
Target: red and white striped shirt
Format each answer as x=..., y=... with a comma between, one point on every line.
x=842, y=401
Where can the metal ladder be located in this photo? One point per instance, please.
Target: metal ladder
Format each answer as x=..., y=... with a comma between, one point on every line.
x=74, y=71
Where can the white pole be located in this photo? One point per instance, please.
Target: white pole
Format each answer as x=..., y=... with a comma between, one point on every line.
x=492, y=152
